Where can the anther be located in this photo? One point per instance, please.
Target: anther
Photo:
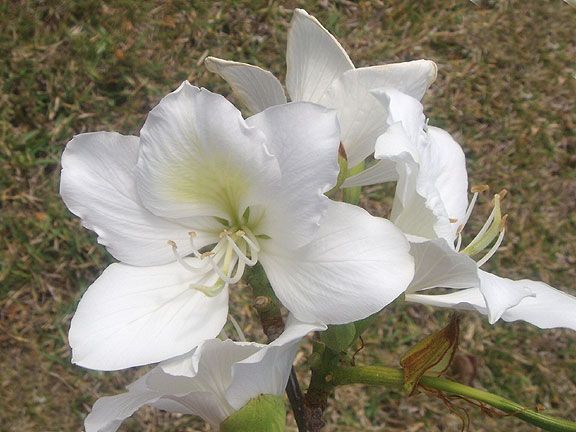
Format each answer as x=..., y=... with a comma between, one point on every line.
x=479, y=188
x=502, y=194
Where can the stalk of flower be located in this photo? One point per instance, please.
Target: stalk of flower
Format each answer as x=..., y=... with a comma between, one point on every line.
x=319, y=70
x=214, y=381
x=200, y=196
x=431, y=207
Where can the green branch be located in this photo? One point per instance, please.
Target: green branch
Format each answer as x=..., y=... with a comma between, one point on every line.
x=391, y=377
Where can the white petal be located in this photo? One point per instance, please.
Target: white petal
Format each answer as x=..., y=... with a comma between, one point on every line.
x=501, y=294
x=465, y=299
x=412, y=78
x=362, y=117
x=448, y=169
x=267, y=371
x=98, y=185
x=354, y=266
x=547, y=308
x=109, y=412
x=404, y=109
x=381, y=172
x=304, y=138
x=437, y=264
x=198, y=157
x=314, y=58
x=207, y=386
x=256, y=88
x=411, y=211
x=132, y=316
x=430, y=198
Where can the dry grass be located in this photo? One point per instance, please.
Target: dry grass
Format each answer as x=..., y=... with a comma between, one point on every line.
x=506, y=90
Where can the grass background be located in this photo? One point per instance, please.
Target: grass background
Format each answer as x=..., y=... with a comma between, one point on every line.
x=505, y=89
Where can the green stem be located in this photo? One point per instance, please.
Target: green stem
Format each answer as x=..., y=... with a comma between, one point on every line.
x=352, y=194
x=391, y=377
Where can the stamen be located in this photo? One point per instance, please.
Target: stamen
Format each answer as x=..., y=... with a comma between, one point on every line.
x=237, y=328
x=247, y=235
x=496, y=245
x=180, y=259
x=488, y=232
x=476, y=190
x=241, y=256
x=459, y=241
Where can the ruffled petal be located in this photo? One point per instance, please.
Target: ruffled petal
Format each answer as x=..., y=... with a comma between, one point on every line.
x=267, y=371
x=546, y=308
x=437, y=264
x=199, y=158
x=314, y=58
x=362, y=118
x=412, y=78
x=404, y=109
x=109, y=412
x=354, y=266
x=304, y=138
x=256, y=88
x=98, y=184
x=446, y=164
x=501, y=294
x=131, y=316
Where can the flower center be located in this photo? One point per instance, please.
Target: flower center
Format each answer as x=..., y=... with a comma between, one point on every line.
x=491, y=233
x=228, y=258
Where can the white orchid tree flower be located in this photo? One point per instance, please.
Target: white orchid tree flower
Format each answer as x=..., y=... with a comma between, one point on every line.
x=200, y=196
x=319, y=70
x=213, y=381
x=431, y=207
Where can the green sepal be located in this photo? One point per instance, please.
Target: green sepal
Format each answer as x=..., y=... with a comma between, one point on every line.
x=339, y=337
x=265, y=413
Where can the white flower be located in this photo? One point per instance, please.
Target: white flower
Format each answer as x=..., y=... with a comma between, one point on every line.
x=214, y=381
x=431, y=207
x=201, y=195
x=320, y=71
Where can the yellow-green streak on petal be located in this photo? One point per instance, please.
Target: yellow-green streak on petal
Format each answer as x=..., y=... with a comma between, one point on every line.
x=212, y=182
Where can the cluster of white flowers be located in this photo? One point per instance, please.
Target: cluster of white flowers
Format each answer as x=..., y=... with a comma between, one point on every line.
x=203, y=193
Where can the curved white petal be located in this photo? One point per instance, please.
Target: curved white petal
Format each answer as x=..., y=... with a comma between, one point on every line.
x=412, y=78
x=362, y=117
x=501, y=294
x=411, y=211
x=546, y=308
x=437, y=264
x=354, y=266
x=430, y=198
x=448, y=169
x=381, y=172
x=256, y=88
x=464, y=299
x=304, y=138
x=109, y=412
x=267, y=371
x=198, y=157
x=98, y=184
x=215, y=360
x=534, y=302
x=314, y=58
x=132, y=316
x=404, y=109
